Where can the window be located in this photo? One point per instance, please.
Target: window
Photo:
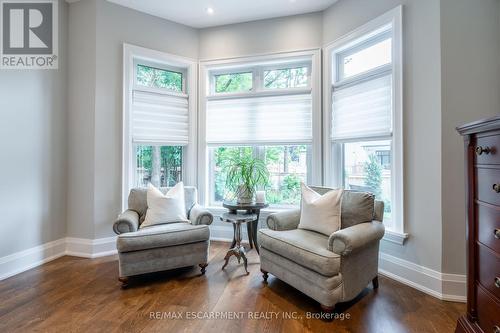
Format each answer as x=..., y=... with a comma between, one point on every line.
x=366, y=57
x=159, y=78
x=158, y=119
x=364, y=171
x=271, y=118
x=287, y=167
x=384, y=157
x=286, y=78
x=159, y=126
x=365, y=122
x=233, y=82
x=158, y=165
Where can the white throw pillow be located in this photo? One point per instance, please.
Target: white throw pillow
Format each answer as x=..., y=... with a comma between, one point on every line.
x=320, y=213
x=165, y=208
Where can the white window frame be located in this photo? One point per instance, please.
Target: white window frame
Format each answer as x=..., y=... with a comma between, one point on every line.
x=131, y=56
x=332, y=153
x=208, y=69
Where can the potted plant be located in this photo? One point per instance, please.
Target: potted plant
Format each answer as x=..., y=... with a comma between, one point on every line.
x=244, y=175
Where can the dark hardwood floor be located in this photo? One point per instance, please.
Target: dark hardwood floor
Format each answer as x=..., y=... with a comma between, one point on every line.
x=83, y=295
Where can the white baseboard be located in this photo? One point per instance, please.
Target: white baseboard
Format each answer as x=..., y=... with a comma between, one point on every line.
x=447, y=287
x=24, y=260
x=90, y=248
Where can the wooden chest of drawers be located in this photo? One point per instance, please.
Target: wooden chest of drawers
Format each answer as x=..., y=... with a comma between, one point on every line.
x=482, y=151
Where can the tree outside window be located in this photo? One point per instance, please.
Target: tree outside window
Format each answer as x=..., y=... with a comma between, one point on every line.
x=158, y=165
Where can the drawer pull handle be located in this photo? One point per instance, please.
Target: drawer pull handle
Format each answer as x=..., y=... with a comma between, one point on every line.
x=496, y=187
x=496, y=232
x=497, y=282
x=496, y=329
x=480, y=150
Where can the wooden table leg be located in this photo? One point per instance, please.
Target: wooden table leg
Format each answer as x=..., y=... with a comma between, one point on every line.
x=244, y=257
x=250, y=234
x=255, y=229
x=226, y=258
x=233, y=243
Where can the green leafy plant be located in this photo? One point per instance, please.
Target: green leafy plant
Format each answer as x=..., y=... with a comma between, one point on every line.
x=244, y=175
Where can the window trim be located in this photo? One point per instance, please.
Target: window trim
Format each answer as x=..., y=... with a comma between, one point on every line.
x=130, y=55
x=211, y=67
x=332, y=167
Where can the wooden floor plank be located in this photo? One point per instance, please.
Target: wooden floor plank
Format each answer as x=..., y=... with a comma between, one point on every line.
x=73, y=294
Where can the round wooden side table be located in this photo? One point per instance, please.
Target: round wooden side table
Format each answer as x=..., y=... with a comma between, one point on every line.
x=237, y=249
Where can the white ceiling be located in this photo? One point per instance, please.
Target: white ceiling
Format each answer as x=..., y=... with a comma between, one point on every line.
x=194, y=12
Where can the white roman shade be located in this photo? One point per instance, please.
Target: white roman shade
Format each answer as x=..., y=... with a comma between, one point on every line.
x=363, y=110
x=159, y=118
x=254, y=120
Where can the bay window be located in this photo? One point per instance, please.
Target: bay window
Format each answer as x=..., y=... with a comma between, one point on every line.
x=266, y=107
x=363, y=145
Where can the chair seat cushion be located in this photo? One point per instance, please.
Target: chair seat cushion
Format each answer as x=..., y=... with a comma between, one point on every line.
x=304, y=247
x=162, y=235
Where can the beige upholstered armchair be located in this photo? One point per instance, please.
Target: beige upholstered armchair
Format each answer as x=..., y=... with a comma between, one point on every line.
x=165, y=246
x=328, y=269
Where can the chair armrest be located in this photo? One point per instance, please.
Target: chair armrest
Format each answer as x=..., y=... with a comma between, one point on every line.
x=128, y=221
x=286, y=220
x=351, y=239
x=200, y=215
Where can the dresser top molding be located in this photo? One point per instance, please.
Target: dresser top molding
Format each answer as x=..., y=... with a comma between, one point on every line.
x=482, y=125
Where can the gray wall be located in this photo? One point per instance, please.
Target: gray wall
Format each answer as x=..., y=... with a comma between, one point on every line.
x=422, y=116
x=96, y=104
x=291, y=33
x=470, y=86
x=81, y=101
x=33, y=148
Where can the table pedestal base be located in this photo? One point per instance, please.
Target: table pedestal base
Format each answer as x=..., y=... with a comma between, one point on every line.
x=239, y=253
x=237, y=249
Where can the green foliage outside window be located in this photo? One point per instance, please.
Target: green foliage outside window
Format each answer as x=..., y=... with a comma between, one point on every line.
x=159, y=78
x=222, y=156
x=284, y=185
x=373, y=172
x=234, y=82
x=160, y=165
x=286, y=78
